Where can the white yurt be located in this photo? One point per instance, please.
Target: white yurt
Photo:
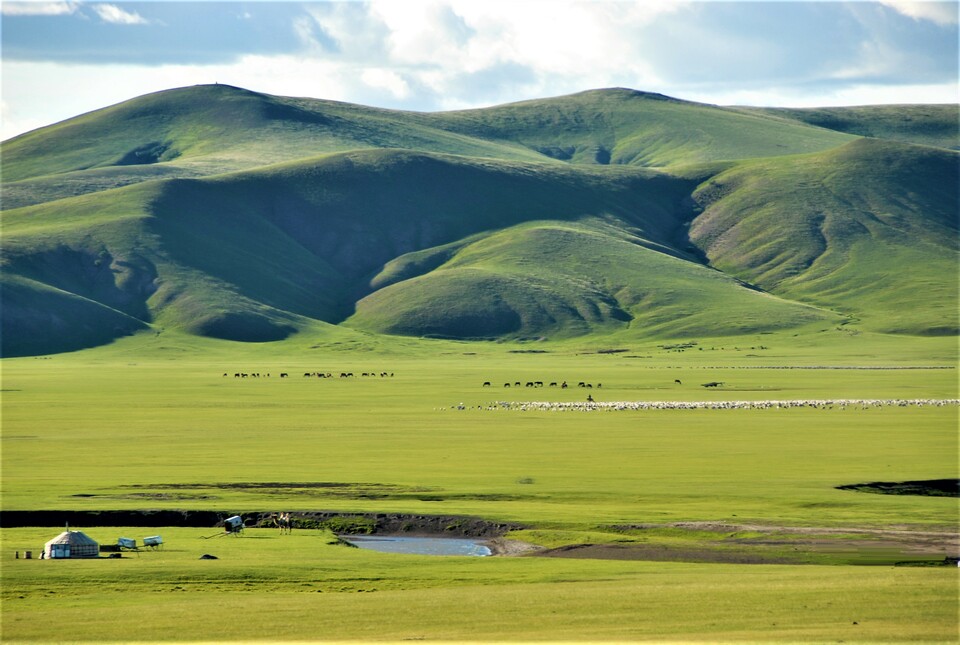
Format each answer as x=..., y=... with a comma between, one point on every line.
x=71, y=544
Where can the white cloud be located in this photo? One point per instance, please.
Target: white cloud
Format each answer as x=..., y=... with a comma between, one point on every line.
x=385, y=79
x=452, y=54
x=840, y=96
x=115, y=15
x=38, y=8
x=942, y=13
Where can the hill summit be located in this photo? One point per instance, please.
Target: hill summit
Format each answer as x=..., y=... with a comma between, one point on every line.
x=248, y=217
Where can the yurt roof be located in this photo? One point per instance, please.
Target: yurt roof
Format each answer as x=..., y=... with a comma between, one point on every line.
x=74, y=538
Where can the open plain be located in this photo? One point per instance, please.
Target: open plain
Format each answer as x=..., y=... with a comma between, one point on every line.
x=661, y=524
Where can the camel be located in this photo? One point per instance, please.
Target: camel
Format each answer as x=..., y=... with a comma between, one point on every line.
x=282, y=521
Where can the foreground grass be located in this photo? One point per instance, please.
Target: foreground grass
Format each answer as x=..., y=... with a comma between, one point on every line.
x=151, y=422
x=301, y=587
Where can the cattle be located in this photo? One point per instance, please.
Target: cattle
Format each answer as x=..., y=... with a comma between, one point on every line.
x=529, y=384
x=553, y=384
x=581, y=384
x=677, y=381
x=283, y=375
x=486, y=384
x=712, y=384
x=564, y=385
x=506, y=385
x=538, y=383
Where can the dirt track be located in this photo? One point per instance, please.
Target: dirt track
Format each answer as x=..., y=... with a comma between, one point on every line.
x=784, y=544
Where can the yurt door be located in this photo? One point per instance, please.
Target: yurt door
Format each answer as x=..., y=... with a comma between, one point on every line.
x=59, y=550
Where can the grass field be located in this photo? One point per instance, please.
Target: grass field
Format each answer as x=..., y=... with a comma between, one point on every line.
x=152, y=422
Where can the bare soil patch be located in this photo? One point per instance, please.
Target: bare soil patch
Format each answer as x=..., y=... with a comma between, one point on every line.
x=925, y=487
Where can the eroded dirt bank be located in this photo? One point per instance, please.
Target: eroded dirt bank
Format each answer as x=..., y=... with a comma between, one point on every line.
x=340, y=522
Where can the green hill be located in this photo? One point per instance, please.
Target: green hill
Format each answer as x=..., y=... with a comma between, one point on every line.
x=545, y=223
x=211, y=129
x=869, y=228
x=562, y=279
x=621, y=126
x=930, y=125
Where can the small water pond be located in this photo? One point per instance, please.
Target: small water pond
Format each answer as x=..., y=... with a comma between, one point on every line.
x=419, y=545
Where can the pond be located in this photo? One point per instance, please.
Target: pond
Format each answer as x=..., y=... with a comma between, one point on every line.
x=419, y=545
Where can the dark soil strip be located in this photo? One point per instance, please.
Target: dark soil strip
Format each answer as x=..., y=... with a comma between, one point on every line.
x=361, y=523
x=928, y=488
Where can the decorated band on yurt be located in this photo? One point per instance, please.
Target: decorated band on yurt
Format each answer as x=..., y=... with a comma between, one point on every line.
x=71, y=544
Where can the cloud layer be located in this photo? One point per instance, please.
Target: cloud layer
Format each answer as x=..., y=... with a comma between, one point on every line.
x=445, y=54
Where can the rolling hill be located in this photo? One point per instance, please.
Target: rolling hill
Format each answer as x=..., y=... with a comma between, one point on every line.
x=247, y=217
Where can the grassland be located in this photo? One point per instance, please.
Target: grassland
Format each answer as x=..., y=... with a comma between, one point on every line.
x=156, y=250
x=152, y=422
x=301, y=588
x=230, y=214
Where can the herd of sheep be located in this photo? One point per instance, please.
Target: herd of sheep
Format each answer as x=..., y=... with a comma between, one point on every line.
x=592, y=406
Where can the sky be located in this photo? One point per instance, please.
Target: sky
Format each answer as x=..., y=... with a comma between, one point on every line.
x=64, y=58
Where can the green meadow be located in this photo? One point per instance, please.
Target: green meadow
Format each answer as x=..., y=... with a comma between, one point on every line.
x=152, y=422
x=165, y=260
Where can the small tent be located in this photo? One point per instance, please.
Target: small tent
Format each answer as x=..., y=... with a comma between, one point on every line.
x=71, y=544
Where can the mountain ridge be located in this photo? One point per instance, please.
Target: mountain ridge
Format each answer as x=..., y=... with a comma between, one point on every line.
x=220, y=230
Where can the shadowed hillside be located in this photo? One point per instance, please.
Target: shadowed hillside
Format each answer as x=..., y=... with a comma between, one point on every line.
x=210, y=129
x=621, y=126
x=545, y=223
x=869, y=228
x=929, y=125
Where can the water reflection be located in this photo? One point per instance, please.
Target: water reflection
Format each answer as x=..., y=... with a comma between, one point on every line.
x=420, y=545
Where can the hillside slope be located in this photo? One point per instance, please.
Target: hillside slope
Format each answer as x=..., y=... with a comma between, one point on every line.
x=869, y=228
x=622, y=126
x=546, y=223
x=255, y=256
x=929, y=125
x=212, y=129
x=561, y=279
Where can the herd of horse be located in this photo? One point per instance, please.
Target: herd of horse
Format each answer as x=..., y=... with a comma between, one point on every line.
x=310, y=374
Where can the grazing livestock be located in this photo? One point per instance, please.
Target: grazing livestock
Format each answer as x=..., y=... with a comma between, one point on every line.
x=828, y=404
x=506, y=385
x=486, y=384
x=677, y=381
x=712, y=384
x=554, y=384
x=283, y=375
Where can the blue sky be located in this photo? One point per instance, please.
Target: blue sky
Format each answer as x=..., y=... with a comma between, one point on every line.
x=61, y=58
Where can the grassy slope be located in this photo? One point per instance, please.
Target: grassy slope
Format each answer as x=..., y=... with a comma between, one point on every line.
x=218, y=128
x=870, y=227
x=931, y=125
x=566, y=279
x=307, y=239
x=623, y=126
